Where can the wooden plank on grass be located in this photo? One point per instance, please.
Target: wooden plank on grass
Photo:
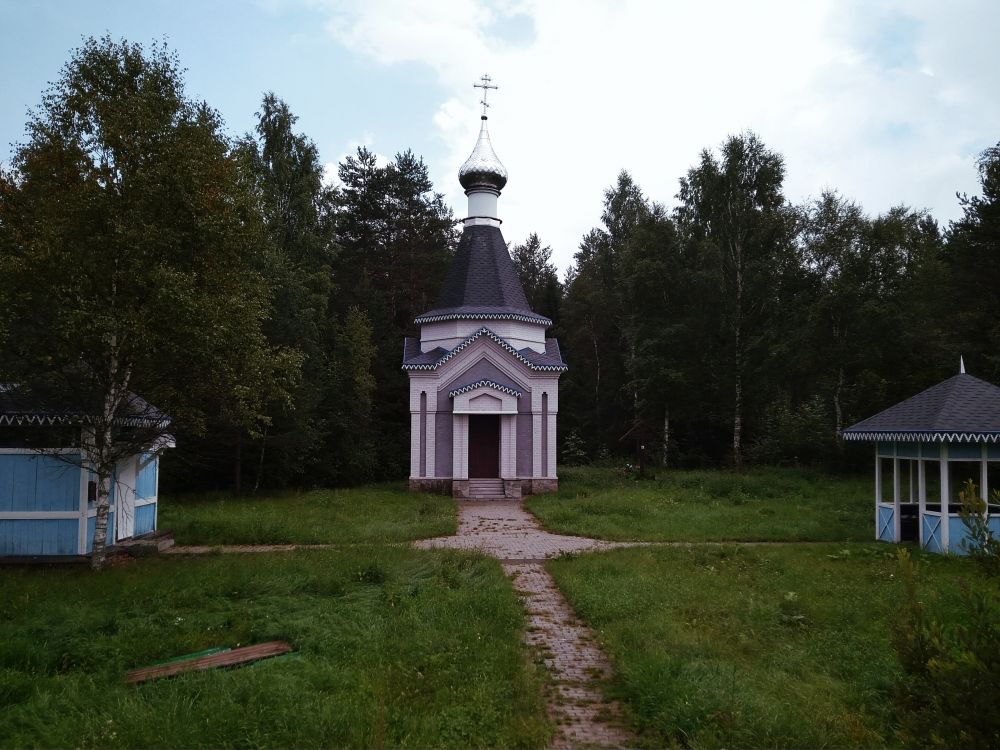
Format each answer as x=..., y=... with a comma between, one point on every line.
x=231, y=658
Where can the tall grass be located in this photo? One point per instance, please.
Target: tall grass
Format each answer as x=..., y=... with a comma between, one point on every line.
x=755, y=647
x=756, y=505
x=373, y=513
x=396, y=648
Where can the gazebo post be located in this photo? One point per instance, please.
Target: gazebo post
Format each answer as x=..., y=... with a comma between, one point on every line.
x=878, y=488
x=897, y=526
x=945, y=495
x=983, y=474
x=921, y=494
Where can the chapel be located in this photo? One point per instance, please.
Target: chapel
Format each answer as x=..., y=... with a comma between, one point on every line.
x=484, y=379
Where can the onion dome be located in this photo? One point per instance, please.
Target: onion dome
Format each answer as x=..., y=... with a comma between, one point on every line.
x=483, y=170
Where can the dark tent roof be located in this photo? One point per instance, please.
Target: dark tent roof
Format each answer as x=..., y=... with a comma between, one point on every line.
x=482, y=282
x=18, y=407
x=961, y=408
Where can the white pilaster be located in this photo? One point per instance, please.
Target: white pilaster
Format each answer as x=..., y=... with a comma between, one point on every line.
x=460, y=446
x=415, y=444
x=551, y=447
x=536, y=444
x=508, y=446
x=430, y=441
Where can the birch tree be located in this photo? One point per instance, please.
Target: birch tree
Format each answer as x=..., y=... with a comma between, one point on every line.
x=735, y=202
x=128, y=236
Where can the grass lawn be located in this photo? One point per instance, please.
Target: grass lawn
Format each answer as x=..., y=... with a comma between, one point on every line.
x=755, y=505
x=397, y=648
x=373, y=513
x=784, y=646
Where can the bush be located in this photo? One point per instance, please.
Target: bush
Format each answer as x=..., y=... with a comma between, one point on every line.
x=951, y=672
x=574, y=453
x=980, y=545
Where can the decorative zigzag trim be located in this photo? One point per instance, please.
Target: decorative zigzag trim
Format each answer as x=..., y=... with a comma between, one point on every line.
x=926, y=437
x=53, y=419
x=487, y=384
x=483, y=316
x=484, y=331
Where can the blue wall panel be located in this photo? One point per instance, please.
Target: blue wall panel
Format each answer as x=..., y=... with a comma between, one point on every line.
x=906, y=450
x=38, y=536
x=32, y=482
x=957, y=537
x=145, y=486
x=930, y=450
x=932, y=533
x=886, y=527
x=145, y=519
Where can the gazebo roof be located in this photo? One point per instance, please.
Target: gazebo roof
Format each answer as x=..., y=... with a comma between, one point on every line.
x=962, y=408
x=18, y=408
x=482, y=283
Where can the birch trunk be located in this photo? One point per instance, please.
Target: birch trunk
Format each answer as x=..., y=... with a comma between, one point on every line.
x=100, y=549
x=666, y=436
x=838, y=410
x=738, y=360
x=103, y=452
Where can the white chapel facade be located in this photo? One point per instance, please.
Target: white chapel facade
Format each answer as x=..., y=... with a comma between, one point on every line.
x=484, y=379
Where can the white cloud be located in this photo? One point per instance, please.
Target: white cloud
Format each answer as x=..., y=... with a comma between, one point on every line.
x=886, y=101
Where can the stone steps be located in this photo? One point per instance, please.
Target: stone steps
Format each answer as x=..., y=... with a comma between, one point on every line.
x=482, y=489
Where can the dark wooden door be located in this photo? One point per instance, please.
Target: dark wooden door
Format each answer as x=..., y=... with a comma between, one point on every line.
x=484, y=446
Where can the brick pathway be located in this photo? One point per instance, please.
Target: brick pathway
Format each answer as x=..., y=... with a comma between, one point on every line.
x=504, y=529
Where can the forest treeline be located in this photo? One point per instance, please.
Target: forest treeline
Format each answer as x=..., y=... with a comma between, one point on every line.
x=264, y=307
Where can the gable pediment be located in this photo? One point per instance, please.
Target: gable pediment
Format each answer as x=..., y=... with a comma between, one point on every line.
x=484, y=398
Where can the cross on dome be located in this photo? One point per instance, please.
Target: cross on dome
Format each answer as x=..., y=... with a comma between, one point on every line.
x=486, y=83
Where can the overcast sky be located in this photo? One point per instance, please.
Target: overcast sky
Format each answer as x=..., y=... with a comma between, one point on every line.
x=886, y=101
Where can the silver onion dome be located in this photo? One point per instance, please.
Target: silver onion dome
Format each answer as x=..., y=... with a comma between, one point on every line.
x=483, y=170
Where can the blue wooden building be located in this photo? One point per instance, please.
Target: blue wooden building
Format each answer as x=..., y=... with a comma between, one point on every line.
x=47, y=501
x=926, y=448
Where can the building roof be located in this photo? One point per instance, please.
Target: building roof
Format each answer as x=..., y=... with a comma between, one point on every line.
x=17, y=408
x=962, y=408
x=549, y=361
x=482, y=283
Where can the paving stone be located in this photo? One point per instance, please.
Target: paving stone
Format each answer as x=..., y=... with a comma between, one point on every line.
x=584, y=717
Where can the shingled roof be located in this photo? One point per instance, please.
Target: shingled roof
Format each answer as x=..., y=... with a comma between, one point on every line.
x=20, y=408
x=962, y=408
x=482, y=283
x=549, y=361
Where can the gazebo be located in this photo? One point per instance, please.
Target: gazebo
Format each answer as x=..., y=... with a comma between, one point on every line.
x=926, y=448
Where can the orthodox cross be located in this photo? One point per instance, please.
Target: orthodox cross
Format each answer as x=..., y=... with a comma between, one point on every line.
x=486, y=85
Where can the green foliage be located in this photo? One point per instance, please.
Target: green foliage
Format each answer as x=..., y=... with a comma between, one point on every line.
x=969, y=259
x=951, y=669
x=800, y=435
x=538, y=276
x=979, y=543
x=395, y=648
